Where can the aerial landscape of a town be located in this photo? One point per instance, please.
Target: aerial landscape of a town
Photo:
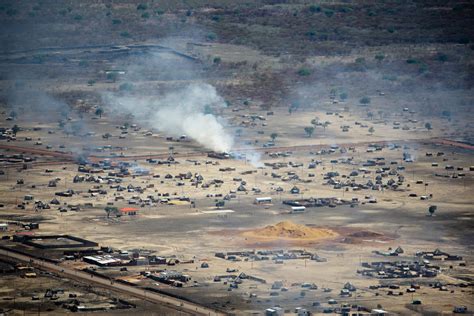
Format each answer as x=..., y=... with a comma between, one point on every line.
x=218, y=157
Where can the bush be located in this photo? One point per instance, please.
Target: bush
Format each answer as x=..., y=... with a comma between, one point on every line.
x=12, y=12
x=380, y=57
x=124, y=34
x=216, y=60
x=145, y=15
x=304, y=72
x=116, y=21
x=412, y=61
x=314, y=8
x=211, y=36
x=78, y=17
x=63, y=12
x=126, y=86
x=371, y=13
x=344, y=9
x=423, y=68
x=329, y=13
x=142, y=6
x=343, y=96
x=311, y=35
x=159, y=12
x=365, y=100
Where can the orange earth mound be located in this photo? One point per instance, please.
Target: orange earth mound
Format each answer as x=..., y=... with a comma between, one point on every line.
x=290, y=230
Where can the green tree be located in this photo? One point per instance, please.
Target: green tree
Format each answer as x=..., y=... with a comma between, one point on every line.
x=343, y=96
x=379, y=57
x=309, y=130
x=365, y=100
x=371, y=130
x=208, y=109
x=15, y=129
x=304, y=72
x=273, y=136
x=112, y=76
x=428, y=126
x=99, y=112
x=111, y=209
x=126, y=86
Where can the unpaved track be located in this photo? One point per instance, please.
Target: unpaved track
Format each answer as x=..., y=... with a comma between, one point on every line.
x=175, y=303
x=64, y=157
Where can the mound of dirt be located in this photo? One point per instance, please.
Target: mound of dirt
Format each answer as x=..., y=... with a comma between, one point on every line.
x=290, y=230
x=365, y=234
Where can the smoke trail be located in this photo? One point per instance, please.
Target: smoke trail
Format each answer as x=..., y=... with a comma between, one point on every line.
x=180, y=112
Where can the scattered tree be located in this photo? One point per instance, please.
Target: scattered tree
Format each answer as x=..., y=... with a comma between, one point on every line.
x=238, y=132
x=365, y=100
x=111, y=209
x=112, y=76
x=15, y=129
x=309, y=130
x=304, y=72
x=124, y=34
x=99, y=112
x=428, y=126
x=343, y=96
x=432, y=209
x=379, y=57
x=314, y=8
x=442, y=57
x=371, y=130
x=273, y=136
x=126, y=86
x=208, y=109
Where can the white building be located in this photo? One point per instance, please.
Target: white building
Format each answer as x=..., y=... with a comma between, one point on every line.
x=263, y=200
x=298, y=209
x=3, y=227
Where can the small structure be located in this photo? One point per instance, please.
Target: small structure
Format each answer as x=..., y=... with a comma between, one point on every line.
x=3, y=227
x=263, y=200
x=274, y=311
x=295, y=190
x=130, y=211
x=297, y=209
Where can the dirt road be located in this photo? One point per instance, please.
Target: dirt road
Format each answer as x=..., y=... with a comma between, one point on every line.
x=169, y=301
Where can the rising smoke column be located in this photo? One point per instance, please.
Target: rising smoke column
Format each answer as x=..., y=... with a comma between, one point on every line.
x=180, y=112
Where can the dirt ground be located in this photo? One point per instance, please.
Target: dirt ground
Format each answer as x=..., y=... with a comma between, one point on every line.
x=401, y=78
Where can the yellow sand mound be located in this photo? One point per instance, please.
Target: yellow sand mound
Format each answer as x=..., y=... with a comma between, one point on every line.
x=290, y=230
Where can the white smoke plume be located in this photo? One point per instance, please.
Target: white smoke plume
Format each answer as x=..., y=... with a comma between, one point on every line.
x=180, y=112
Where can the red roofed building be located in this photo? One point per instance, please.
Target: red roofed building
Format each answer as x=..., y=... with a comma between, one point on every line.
x=129, y=211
